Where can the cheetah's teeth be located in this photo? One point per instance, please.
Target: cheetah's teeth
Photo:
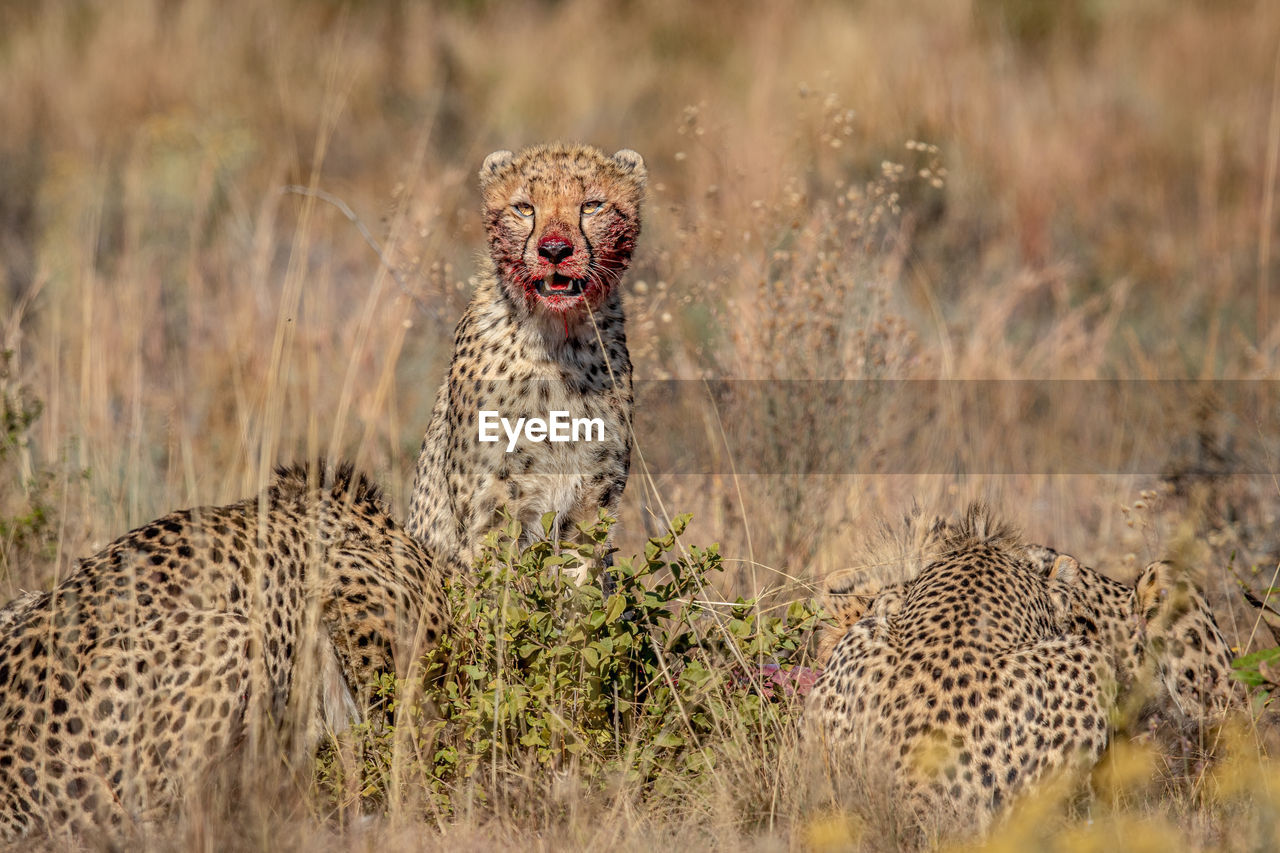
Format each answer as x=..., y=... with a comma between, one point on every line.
x=558, y=285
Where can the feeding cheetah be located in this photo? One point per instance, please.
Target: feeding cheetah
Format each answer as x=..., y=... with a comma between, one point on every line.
x=1171, y=658
x=544, y=333
x=966, y=684
x=192, y=639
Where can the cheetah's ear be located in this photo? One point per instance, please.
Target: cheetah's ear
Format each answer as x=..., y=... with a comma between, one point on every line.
x=493, y=164
x=1157, y=578
x=631, y=163
x=1063, y=576
x=1041, y=557
x=1065, y=569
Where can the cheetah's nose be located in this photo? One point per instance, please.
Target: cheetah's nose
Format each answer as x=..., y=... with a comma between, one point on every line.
x=554, y=249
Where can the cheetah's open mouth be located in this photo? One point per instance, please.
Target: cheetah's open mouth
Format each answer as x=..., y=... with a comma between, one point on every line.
x=559, y=285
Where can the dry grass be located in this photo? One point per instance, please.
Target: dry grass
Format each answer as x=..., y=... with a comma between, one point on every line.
x=1099, y=205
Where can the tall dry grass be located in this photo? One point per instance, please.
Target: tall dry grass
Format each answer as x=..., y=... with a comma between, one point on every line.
x=999, y=190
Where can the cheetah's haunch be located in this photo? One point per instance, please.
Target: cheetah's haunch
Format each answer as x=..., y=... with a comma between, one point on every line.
x=167, y=653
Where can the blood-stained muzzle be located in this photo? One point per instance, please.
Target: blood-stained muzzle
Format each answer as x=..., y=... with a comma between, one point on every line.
x=558, y=252
x=554, y=248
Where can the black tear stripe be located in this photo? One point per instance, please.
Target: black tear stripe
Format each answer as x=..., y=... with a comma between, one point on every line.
x=627, y=232
x=533, y=229
x=591, y=252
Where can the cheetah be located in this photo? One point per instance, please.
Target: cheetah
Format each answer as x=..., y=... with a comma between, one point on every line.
x=966, y=684
x=1172, y=661
x=1110, y=614
x=543, y=333
x=893, y=553
x=188, y=641
x=1187, y=655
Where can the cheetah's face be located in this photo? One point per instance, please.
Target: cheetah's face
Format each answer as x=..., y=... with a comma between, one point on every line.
x=562, y=223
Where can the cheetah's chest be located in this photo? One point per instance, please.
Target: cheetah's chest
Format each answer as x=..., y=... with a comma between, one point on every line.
x=559, y=448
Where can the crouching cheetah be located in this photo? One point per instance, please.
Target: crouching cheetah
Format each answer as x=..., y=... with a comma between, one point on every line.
x=1172, y=661
x=190, y=639
x=1171, y=658
x=966, y=685
x=544, y=334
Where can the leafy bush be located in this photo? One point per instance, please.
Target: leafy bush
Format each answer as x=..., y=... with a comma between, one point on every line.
x=653, y=685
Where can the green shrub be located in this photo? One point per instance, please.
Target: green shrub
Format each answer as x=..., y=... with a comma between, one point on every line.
x=652, y=686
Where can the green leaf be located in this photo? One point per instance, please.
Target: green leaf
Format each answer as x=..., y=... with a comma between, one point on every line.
x=695, y=674
x=1247, y=666
x=614, y=609
x=548, y=522
x=1251, y=660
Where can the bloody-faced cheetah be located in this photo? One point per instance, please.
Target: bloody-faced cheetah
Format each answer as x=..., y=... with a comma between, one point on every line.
x=191, y=638
x=965, y=684
x=544, y=333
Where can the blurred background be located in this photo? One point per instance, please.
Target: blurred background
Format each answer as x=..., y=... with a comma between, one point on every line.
x=994, y=189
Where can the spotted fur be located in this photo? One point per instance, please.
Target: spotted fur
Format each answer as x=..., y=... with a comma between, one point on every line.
x=1108, y=614
x=966, y=685
x=1172, y=661
x=544, y=332
x=893, y=553
x=1187, y=656
x=153, y=662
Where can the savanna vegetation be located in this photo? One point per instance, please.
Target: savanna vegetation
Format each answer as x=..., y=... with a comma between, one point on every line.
x=236, y=233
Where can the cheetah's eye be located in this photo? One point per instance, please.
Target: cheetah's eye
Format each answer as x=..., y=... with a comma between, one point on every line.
x=592, y=207
x=523, y=208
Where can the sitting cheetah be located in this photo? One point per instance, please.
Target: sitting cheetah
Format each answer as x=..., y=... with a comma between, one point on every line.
x=190, y=639
x=543, y=333
x=966, y=684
